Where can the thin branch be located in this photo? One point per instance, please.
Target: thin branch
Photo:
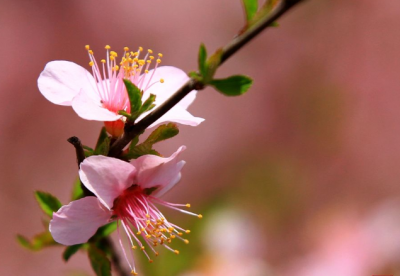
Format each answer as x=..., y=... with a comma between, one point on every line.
x=237, y=43
x=114, y=257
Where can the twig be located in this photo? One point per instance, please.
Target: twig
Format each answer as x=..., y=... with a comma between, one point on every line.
x=131, y=131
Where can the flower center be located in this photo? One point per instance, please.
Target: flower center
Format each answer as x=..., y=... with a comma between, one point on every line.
x=141, y=220
x=110, y=75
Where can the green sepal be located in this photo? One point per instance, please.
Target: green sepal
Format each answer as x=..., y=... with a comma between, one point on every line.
x=202, y=59
x=71, y=250
x=133, y=143
x=135, y=98
x=141, y=150
x=38, y=242
x=47, y=202
x=103, y=143
x=99, y=261
x=250, y=8
x=77, y=191
x=124, y=113
x=88, y=151
x=163, y=132
x=232, y=86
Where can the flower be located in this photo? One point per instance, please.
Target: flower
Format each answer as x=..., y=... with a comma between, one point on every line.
x=126, y=192
x=100, y=95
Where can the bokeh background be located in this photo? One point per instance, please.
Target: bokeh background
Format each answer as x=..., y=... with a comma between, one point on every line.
x=300, y=176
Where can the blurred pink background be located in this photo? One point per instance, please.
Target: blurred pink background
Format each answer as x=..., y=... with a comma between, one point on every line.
x=306, y=154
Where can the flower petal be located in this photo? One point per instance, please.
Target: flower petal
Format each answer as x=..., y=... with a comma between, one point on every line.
x=78, y=221
x=106, y=177
x=154, y=171
x=61, y=81
x=178, y=115
x=88, y=107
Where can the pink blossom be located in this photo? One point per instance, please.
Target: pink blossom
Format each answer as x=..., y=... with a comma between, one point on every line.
x=126, y=192
x=101, y=94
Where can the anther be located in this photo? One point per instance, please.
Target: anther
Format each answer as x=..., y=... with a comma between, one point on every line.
x=200, y=216
x=158, y=60
x=87, y=47
x=160, y=55
x=146, y=71
x=134, y=247
x=126, y=49
x=103, y=61
x=162, y=80
x=142, y=248
x=186, y=241
x=176, y=252
x=150, y=261
x=140, y=49
x=150, y=51
x=188, y=205
x=134, y=272
x=187, y=231
x=91, y=52
x=157, y=253
x=138, y=233
x=107, y=47
x=113, y=53
x=91, y=63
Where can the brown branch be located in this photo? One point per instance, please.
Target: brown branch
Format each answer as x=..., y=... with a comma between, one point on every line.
x=131, y=131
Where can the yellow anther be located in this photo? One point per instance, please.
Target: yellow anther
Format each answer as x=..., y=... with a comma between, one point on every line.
x=135, y=59
x=148, y=61
x=113, y=53
x=162, y=80
x=151, y=57
x=87, y=47
x=200, y=216
x=91, y=63
x=156, y=253
x=142, y=229
x=148, y=236
x=140, y=49
x=147, y=215
x=187, y=231
x=172, y=236
x=112, y=58
x=160, y=55
x=180, y=234
x=146, y=71
x=148, y=222
x=134, y=247
x=169, y=240
x=150, y=51
x=103, y=61
x=150, y=261
x=171, y=228
x=142, y=248
x=134, y=272
x=107, y=47
x=126, y=49
x=186, y=241
x=158, y=60
x=188, y=205
x=155, y=243
x=116, y=67
x=176, y=252
x=138, y=233
x=91, y=52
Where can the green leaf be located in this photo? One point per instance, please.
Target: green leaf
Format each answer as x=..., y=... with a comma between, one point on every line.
x=250, y=8
x=148, y=104
x=232, y=86
x=106, y=230
x=202, y=59
x=135, y=98
x=38, y=242
x=47, y=202
x=141, y=150
x=162, y=132
x=77, y=191
x=212, y=65
x=71, y=250
x=99, y=261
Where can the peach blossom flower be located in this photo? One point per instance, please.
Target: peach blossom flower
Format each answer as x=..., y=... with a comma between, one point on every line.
x=126, y=192
x=101, y=94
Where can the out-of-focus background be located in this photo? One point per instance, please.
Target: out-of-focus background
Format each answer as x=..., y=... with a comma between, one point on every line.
x=300, y=176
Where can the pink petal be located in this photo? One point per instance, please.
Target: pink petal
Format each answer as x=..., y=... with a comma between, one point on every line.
x=154, y=171
x=178, y=115
x=89, y=107
x=78, y=221
x=61, y=81
x=106, y=177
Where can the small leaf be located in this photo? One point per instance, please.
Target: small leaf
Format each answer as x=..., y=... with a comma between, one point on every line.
x=232, y=86
x=99, y=261
x=38, y=242
x=71, y=250
x=48, y=202
x=141, y=150
x=212, y=65
x=135, y=97
x=103, y=143
x=161, y=133
x=148, y=104
x=106, y=230
x=250, y=8
x=202, y=59
x=77, y=191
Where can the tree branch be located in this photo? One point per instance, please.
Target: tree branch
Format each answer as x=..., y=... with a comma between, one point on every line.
x=237, y=43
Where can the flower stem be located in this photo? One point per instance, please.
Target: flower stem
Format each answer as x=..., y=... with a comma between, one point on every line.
x=132, y=130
